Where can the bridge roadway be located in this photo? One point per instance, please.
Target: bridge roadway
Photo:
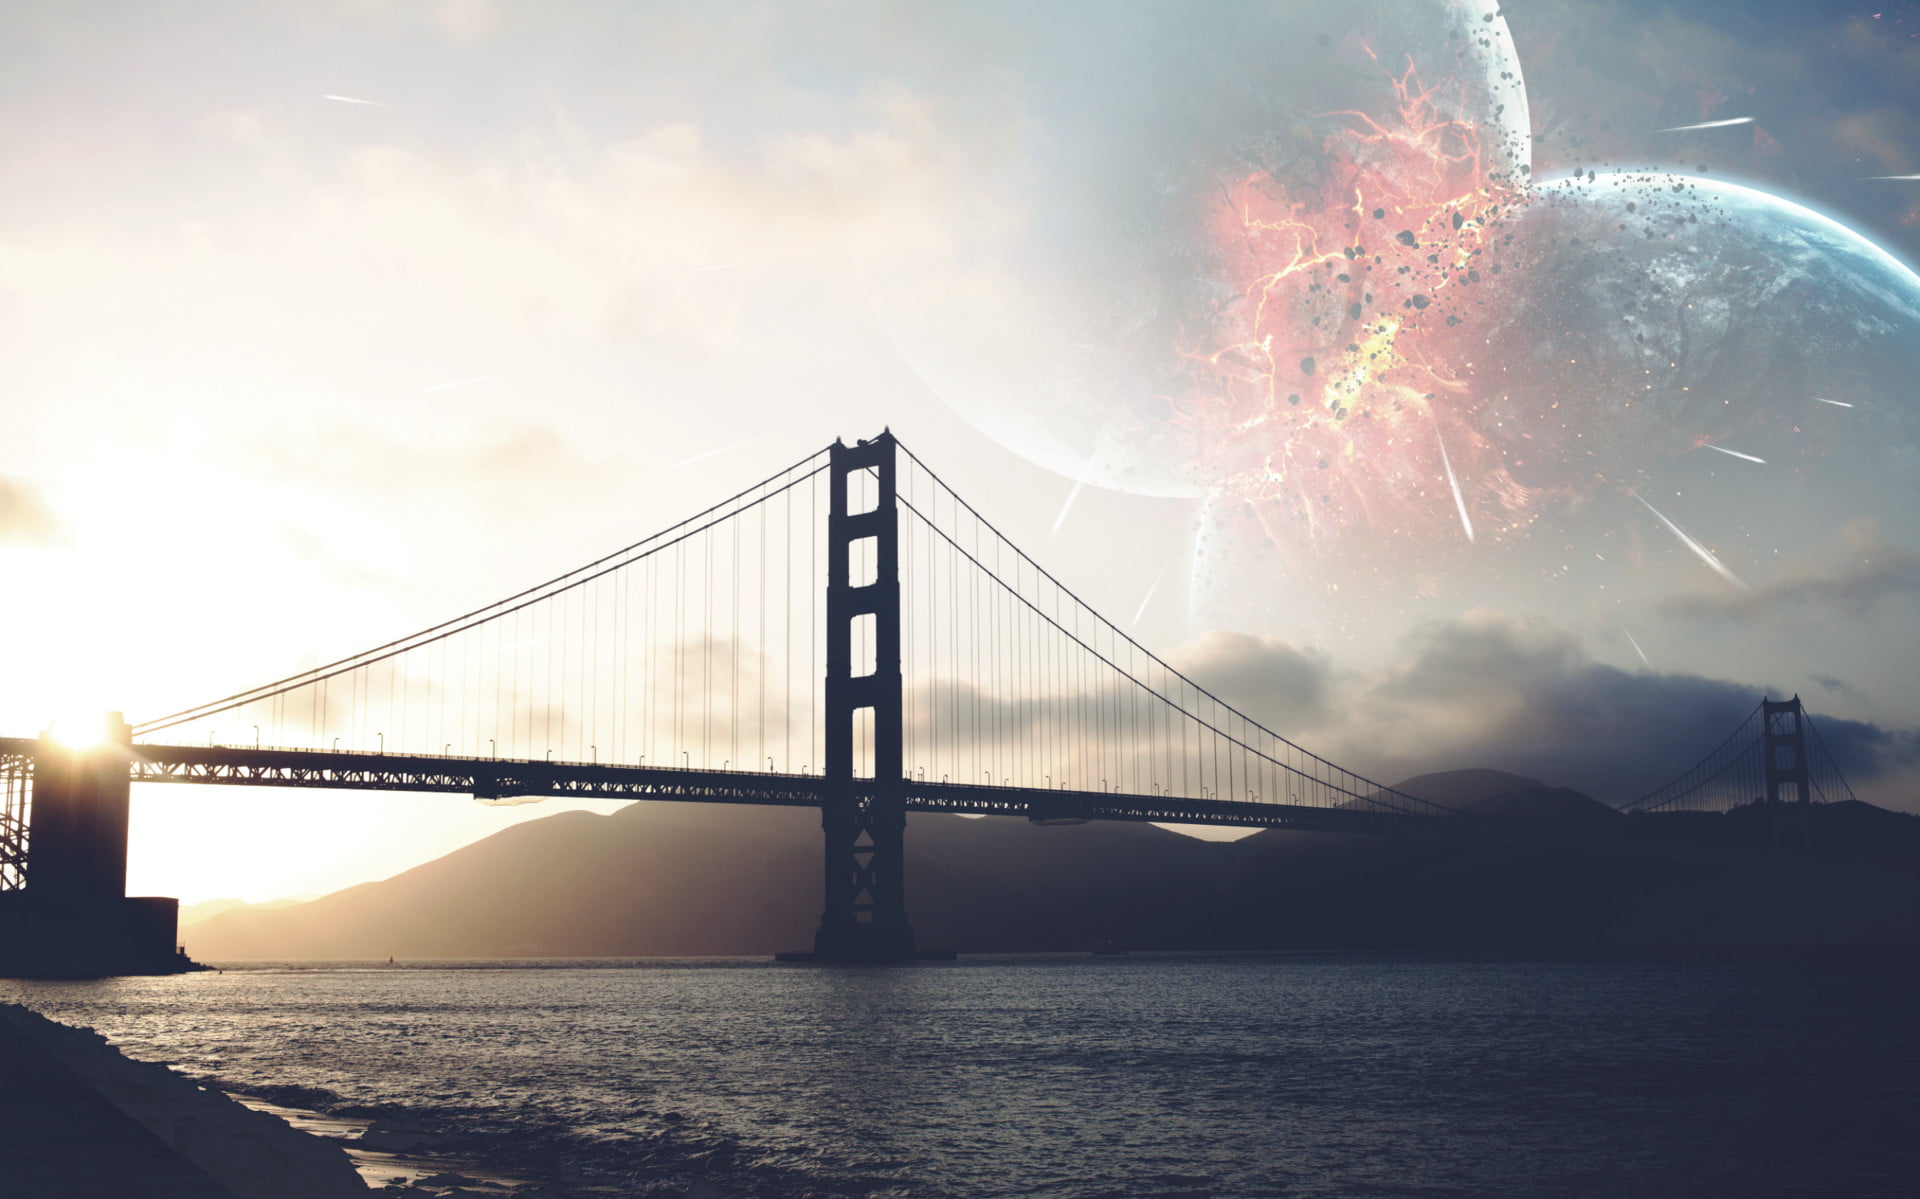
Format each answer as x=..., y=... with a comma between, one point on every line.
x=510, y=780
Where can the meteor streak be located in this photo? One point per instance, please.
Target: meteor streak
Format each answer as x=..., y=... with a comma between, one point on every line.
x=1458, y=501
x=703, y=457
x=1071, y=496
x=1147, y=598
x=1835, y=403
x=1635, y=644
x=1737, y=454
x=1873, y=178
x=354, y=100
x=1700, y=551
x=1708, y=125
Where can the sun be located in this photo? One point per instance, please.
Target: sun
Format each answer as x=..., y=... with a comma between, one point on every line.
x=85, y=731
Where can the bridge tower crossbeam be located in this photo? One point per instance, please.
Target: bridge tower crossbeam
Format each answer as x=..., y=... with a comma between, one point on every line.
x=1785, y=749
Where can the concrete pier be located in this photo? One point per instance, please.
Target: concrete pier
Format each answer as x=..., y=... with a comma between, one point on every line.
x=73, y=918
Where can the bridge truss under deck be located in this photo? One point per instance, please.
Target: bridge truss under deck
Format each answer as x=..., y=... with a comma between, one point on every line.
x=508, y=782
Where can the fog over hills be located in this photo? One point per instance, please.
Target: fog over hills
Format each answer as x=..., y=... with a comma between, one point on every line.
x=693, y=879
x=207, y=909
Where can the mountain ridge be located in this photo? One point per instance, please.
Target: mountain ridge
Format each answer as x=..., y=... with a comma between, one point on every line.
x=684, y=879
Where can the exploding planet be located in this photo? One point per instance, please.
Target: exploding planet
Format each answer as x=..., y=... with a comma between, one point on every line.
x=1646, y=315
x=1218, y=221
x=1661, y=372
x=1290, y=262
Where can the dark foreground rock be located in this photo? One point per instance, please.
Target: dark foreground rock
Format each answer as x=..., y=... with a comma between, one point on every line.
x=79, y=1119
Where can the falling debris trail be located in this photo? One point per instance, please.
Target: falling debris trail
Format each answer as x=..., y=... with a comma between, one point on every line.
x=1073, y=495
x=703, y=457
x=354, y=100
x=1635, y=644
x=1737, y=454
x=1459, y=501
x=1147, y=598
x=1708, y=125
x=1835, y=403
x=1701, y=551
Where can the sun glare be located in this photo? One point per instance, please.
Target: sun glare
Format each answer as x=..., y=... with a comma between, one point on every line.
x=82, y=731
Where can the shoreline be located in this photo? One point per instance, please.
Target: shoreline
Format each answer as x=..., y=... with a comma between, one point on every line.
x=417, y=1168
x=157, y=1131
x=1677, y=952
x=84, y=1117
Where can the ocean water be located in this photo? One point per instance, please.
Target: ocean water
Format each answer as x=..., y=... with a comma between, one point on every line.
x=1077, y=1077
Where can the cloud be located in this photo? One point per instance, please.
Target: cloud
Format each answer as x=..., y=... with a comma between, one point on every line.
x=1485, y=690
x=25, y=518
x=456, y=20
x=1491, y=691
x=1289, y=688
x=1866, y=572
x=524, y=464
x=1866, y=754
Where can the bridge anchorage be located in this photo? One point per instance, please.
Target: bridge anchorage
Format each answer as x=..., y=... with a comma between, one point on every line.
x=912, y=660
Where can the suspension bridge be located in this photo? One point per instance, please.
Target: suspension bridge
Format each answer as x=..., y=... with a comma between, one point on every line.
x=847, y=634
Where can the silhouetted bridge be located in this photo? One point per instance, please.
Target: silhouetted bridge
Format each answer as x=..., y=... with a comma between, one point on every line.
x=911, y=660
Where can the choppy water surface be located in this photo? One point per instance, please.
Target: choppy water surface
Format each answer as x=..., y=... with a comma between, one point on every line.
x=1083, y=1077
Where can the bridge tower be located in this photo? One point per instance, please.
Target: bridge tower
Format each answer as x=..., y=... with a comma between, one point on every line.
x=64, y=908
x=864, y=811
x=78, y=832
x=1786, y=749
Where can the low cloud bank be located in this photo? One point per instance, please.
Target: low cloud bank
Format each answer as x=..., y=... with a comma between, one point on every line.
x=1490, y=691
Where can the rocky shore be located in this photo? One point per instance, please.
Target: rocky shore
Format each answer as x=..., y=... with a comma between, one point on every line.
x=220, y=1147
x=79, y=1119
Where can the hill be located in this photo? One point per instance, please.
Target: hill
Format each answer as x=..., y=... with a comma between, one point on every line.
x=689, y=879
x=207, y=909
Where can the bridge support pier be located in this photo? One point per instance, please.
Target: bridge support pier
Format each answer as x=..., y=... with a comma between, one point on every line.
x=67, y=913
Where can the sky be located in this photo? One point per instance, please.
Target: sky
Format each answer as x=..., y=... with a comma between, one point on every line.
x=321, y=322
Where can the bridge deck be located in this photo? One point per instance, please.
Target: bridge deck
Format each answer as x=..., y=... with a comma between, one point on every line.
x=508, y=781
x=511, y=781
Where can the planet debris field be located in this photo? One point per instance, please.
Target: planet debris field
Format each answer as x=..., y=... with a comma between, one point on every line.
x=1332, y=303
